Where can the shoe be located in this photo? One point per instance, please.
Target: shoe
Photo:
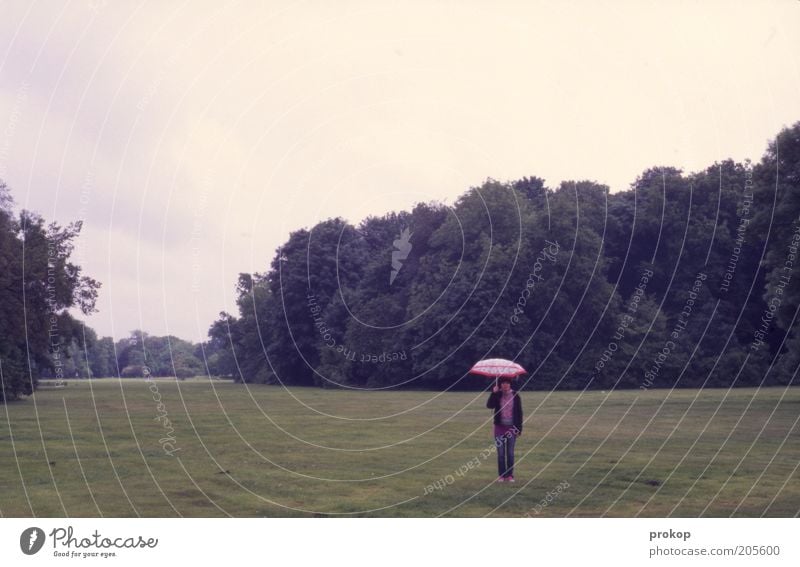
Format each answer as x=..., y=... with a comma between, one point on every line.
x=500, y=479
x=510, y=479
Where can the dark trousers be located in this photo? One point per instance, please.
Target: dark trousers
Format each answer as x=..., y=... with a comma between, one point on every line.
x=505, y=454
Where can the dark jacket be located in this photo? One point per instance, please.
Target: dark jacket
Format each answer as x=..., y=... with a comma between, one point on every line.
x=494, y=403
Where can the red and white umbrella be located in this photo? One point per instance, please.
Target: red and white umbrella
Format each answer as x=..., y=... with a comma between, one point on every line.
x=497, y=368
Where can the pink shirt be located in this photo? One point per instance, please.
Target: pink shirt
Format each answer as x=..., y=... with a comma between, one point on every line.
x=507, y=408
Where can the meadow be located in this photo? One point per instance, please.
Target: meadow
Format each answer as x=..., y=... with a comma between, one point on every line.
x=209, y=448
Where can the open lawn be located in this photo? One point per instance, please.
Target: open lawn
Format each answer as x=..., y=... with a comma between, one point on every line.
x=99, y=448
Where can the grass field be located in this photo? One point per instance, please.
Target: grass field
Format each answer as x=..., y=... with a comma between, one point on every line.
x=98, y=448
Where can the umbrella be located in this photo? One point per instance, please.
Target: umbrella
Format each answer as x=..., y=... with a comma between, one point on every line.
x=497, y=368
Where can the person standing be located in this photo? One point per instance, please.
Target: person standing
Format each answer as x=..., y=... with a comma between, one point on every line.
x=507, y=407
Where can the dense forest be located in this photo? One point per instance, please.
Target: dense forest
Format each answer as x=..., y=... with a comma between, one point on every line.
x=683, y=280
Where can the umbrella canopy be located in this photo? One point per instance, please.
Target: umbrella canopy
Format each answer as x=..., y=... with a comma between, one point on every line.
x=497, y=368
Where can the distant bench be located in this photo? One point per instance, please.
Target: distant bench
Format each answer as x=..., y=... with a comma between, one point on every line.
x=51, y=384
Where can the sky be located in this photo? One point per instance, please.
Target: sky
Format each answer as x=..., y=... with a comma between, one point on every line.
x=192, y=137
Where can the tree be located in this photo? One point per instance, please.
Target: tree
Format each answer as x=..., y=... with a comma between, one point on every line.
x=665, y=284
x=38, y=286
x=218, y=352
x=102, y=361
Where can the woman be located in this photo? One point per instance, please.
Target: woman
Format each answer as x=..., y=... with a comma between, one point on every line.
x=507, y=407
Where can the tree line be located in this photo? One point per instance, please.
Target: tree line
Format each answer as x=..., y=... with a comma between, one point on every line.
x=136, y=356
x=40, y=286
x=683, y=280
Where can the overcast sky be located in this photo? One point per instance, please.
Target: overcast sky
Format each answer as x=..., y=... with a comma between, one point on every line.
x=192, y=137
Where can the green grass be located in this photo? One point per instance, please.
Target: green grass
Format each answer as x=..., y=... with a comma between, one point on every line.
x=376, y=452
